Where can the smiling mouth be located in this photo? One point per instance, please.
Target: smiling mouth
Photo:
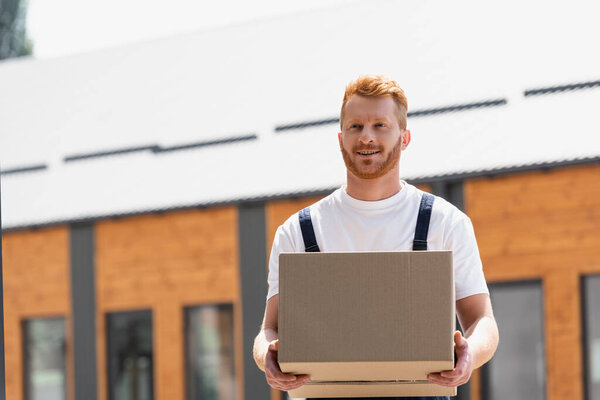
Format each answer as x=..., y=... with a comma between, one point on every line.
x=367, y=153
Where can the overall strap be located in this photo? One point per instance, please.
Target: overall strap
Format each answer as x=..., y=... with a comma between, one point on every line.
x=308, y=233
x=420, y=241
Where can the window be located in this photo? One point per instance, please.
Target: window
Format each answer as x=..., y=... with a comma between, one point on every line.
x=44, y=359
x=591, y=318
x=517, y=370
x=210, y=352
x=130, y=355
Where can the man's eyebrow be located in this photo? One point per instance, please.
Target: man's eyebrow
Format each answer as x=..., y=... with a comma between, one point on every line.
x=379, y=119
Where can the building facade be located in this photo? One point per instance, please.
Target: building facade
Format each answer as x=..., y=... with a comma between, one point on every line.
x=188, y=286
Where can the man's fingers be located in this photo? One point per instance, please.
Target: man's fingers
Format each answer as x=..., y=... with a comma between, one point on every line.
x=273, y=370
x=449, y=374
x=287, y=387
x=299, y=380
x=275, y=373
x=445, y=381
x=438, y=379
x=276, y=377
x=455, y=373
x=459, y=370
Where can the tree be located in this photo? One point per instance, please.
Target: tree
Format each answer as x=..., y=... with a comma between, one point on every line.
x=13, y=37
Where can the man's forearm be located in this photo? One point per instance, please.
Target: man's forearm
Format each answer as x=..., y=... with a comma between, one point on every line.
x=482, y=337
x=261, y=345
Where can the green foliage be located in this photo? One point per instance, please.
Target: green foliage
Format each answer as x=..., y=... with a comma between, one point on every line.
x=13, y=38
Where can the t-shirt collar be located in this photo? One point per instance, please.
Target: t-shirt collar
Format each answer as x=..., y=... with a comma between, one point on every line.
x=375, y=205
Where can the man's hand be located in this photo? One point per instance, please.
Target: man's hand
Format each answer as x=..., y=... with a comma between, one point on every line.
x=265, y=349
x=464, y=365
x=276, y=378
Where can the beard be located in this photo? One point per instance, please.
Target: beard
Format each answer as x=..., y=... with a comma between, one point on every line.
x=363, y=171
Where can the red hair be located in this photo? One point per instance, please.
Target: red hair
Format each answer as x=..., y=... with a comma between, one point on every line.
x=374, y=86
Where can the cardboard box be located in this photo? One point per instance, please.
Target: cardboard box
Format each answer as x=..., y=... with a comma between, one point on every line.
x=367, y=324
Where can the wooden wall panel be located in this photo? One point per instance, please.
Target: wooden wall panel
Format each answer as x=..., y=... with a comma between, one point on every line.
x=535, y=213
x=425, y=188
x=36, y=284
x=543, y=225
x=562, y=319
x=165, y=262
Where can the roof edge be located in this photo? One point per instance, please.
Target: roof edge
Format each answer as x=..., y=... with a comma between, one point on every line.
x=490, y=173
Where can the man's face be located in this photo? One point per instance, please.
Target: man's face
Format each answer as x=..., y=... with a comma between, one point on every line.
x=371, y=139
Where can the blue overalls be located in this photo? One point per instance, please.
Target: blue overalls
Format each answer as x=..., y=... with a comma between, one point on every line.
x=419, y=243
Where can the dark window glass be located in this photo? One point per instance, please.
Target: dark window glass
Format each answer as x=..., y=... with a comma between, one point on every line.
x=591, y=318
x=44, y=359
x=210, y=353
x=130, y=355
x=517, y=369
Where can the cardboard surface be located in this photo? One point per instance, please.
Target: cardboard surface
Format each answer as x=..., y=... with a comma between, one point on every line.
x=372, y=389
x=366, y=324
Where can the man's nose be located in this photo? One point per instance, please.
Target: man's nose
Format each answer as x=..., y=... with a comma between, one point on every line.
x=366, y=136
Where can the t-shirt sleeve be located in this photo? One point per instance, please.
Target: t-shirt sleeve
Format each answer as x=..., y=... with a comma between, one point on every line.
x=468, y=270
x=282, y=243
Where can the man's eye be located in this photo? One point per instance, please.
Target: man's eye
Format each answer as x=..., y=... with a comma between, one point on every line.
x=380, y=125
x=354, y=126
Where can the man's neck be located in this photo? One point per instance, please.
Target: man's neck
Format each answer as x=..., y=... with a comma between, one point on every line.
x=373, y=189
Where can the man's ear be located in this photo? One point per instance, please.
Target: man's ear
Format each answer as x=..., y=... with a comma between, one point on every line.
x=340, y=137
x=405, y=138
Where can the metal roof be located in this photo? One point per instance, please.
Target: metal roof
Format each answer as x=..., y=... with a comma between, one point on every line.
x=250, y=112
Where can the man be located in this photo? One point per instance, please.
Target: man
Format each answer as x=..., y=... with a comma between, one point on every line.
x=376, y=211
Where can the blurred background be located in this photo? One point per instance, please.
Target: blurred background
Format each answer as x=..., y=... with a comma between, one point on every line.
x=149, y=150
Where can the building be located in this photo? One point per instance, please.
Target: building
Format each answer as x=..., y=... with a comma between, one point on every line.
x=142, y=186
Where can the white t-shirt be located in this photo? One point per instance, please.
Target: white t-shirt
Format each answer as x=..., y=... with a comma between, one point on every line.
x=343, y=223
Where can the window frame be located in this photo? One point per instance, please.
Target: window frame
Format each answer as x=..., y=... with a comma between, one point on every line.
x=485, y=387
x=585, y=348
x=26, y=352
x=188, y=371
x=110, y=378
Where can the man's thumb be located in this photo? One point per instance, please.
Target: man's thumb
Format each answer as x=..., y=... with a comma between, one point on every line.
x=274, y=345
x=459, y=340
